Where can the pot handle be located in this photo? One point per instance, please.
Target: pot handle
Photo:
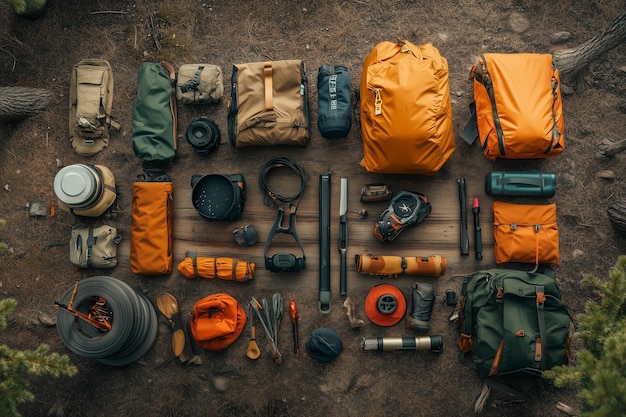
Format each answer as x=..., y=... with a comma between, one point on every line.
x=194, y=179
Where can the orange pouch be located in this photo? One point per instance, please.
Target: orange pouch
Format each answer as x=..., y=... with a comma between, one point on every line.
x=525, y=233
x=517, y=111
x=151, y=226
x=217, y=321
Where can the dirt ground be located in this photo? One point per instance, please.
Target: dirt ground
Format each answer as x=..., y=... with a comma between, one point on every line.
x=36, y=269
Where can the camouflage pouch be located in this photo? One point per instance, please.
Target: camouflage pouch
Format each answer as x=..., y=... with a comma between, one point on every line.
x=199, y=84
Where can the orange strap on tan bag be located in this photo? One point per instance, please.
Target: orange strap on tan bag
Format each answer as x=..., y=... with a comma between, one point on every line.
x=151, y=234
x=217, y=321
x=525, y=233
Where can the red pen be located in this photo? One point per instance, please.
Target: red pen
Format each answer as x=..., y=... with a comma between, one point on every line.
x=478, y=244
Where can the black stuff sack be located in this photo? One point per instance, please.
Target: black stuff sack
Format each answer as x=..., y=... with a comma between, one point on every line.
x=334, y=117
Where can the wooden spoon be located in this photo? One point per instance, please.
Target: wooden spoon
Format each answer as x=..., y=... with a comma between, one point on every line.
x=253, y=351
x=168, y=306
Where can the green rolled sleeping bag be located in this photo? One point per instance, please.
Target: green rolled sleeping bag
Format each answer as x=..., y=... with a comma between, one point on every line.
x=154, y=114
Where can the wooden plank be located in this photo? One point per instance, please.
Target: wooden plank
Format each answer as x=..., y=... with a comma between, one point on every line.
x=438, y=234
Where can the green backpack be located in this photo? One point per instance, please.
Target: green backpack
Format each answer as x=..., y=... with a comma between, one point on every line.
x=514, y=322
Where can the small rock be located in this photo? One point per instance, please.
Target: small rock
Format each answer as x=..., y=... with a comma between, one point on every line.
x=622, y=69
x=220, y=383
x=6, y=187
x=567, y=90
x=518, y=23
x=605, y=174
x=46, y=319
x=560, y=37
x=567, y=180
x=442, y=36
x=577, y=253
x=37, y=209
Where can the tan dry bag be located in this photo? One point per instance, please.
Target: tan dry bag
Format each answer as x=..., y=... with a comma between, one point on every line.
x=269, y=104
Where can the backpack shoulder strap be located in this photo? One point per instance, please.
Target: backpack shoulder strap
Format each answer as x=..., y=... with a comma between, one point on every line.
x=542, y=344
x=470, y=131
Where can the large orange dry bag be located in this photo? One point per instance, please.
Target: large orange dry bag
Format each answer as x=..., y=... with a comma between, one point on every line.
x=151, y=233
x=406, y=115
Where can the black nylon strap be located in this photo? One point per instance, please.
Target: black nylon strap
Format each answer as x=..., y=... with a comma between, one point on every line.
x=193, y=83
x=90, y=243
x=194, y=262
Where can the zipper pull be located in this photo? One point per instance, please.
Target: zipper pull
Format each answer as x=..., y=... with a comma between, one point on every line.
x=378, y=102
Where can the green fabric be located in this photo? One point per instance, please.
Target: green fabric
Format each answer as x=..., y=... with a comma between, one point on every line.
x=153, y=122
x=516, y=320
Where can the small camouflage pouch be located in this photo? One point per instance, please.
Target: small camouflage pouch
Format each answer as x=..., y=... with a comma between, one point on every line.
x=199, y=84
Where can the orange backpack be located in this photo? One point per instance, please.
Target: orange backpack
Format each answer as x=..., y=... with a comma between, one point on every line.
x=151, y=233
x=406, y=114
x=517, y=110
x=217, y=321
x=525, y=233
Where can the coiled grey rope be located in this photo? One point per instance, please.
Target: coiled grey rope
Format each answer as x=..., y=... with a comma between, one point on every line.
x=134, y=323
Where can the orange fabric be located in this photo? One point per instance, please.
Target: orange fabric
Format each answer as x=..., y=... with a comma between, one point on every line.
x=525, y=233
x=496, y=360
x=151, y=228
x=527, y=95
x=389, y=265
x=541, y=298
x=269, y=95
x=406, y=114
x=373, y=311
x=223, y=268
x=217, y=321
x=465, y=343
x=538, y=350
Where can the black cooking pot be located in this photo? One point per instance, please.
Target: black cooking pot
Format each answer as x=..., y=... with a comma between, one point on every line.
x=217, y=196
